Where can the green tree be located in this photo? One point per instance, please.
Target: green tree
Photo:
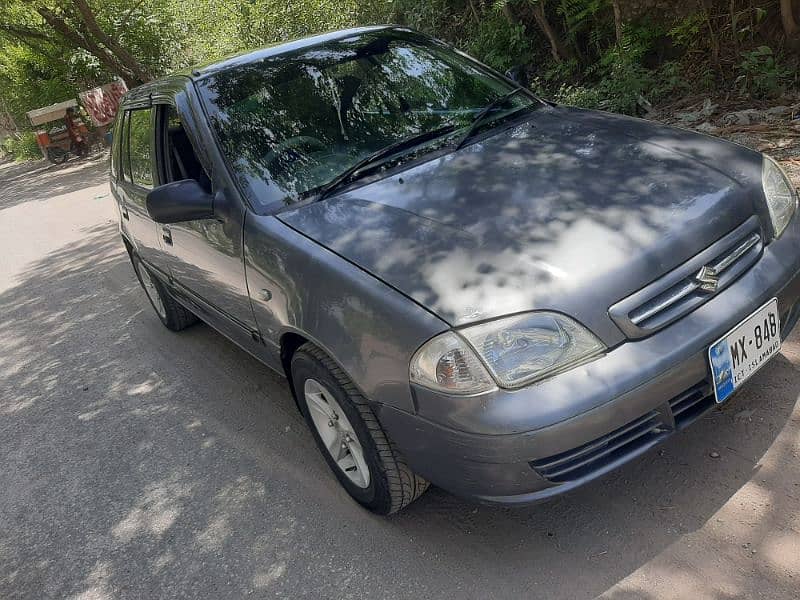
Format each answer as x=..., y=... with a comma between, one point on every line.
x=126, y=40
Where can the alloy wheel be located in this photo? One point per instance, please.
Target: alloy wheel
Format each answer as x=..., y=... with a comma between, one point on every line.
x=336, y=432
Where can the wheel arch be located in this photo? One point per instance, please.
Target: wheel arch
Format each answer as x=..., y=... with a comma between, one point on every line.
x=289, y=343
x=293, y=340
x=129, y=247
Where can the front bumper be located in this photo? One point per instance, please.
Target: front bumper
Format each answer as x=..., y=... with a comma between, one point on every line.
x=524, y=446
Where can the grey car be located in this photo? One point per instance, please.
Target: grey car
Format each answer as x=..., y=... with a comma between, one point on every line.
x=462, y=283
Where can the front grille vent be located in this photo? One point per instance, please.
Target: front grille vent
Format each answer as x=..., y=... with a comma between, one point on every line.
x=691, y=404
x=603, y=451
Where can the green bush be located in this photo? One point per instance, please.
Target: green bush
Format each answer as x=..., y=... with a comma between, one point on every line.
x=618, y=80
x=23, y=147
x=762, y=74
x=624, y=81
x=435, y=17
x=572, y=95
x=499, y=44
x=617, y=85
x=668, y=80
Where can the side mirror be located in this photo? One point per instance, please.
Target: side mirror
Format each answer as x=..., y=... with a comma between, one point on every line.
x=518, y=75
x=178, y=201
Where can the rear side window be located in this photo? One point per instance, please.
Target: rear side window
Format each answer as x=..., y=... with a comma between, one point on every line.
x=140, y=147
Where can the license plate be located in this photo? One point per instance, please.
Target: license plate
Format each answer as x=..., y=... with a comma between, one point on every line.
x=745, y=349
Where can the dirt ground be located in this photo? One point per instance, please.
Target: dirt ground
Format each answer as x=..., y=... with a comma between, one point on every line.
x=139, y=463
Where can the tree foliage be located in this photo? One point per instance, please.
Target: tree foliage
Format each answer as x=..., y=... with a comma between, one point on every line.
x=598, y=52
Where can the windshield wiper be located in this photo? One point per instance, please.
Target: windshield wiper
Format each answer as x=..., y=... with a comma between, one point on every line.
x=379, y=155
x=481, y=116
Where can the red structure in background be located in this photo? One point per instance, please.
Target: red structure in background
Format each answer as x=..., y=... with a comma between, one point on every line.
x=101, y=103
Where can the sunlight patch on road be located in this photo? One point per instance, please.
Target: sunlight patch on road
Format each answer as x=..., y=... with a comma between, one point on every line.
x=214, y=536
x=97, y=583
x=781, y=551
x=273, y=574
x=154, y=513
x=149, y=385
x=17, y=404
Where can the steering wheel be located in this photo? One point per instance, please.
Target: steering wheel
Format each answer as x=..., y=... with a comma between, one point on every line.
x=290, y=145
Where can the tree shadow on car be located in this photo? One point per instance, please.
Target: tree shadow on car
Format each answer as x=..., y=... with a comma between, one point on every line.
x=592, y=538
x=142, y=460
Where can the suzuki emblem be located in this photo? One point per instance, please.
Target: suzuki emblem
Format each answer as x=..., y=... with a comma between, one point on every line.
x=708, y=279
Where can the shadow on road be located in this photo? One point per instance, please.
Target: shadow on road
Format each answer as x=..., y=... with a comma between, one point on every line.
x=40, y=180
x=141, y=462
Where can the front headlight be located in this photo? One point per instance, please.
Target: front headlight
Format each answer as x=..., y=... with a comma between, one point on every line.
x=516, y=351
x=780, y=195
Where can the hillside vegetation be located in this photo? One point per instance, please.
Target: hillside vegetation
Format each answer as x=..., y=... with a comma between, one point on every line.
x=620, y=55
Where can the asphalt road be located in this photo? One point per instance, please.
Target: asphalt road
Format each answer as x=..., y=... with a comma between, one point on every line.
x=139, y=463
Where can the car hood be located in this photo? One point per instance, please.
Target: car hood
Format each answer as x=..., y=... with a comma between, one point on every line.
x=571, y=211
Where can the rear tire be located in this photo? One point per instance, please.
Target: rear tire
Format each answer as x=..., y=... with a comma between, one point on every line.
x=333, y=406
x=174, y=316
x=57, y=155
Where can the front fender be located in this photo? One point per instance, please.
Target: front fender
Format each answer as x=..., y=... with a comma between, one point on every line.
x=370, y=329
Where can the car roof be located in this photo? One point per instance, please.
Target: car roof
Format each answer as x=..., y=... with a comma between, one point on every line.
x=179, y=79
x=280, y=48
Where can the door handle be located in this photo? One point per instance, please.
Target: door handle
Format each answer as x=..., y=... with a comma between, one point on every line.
x=125, y=214
x=166, y=235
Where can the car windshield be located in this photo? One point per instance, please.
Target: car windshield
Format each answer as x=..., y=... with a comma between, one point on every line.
x=290, y=124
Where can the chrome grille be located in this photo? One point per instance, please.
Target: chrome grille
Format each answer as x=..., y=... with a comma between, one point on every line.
x=706, y=280
x=690, y=285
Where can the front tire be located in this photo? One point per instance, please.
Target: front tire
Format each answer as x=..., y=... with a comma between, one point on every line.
x=358, y=451
x=174, y=316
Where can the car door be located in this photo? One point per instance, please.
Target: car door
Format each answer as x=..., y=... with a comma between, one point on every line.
x=136, y=179
x=205, y=257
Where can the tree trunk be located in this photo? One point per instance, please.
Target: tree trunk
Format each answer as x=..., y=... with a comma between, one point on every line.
x=790, y=27
x=617, y=21
x=734, y=26
x=133, y=65
x=79, y=40
x=7, y=119
x=707, y=6
x=557, y=47
x=474, y=11
x=509, y=14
